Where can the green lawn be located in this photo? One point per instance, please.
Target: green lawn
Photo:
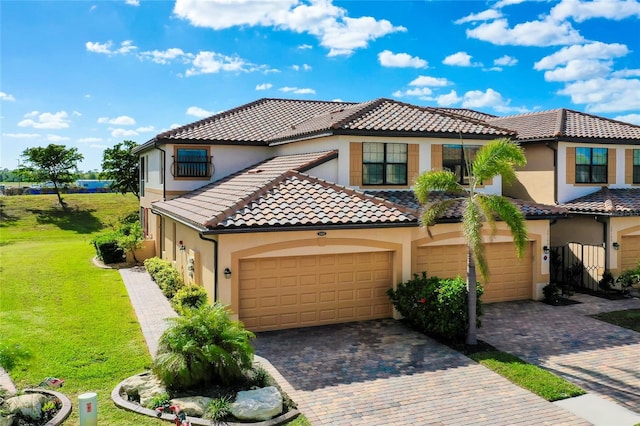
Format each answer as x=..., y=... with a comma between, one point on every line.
x=74, y=319
x=629, y=318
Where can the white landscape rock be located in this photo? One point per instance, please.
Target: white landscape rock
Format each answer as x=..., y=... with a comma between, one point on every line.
x=144, y=387
x=194, y=406
x=28, y=405
x=259, y=404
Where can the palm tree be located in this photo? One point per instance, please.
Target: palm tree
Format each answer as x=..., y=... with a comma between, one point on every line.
x=498, y=157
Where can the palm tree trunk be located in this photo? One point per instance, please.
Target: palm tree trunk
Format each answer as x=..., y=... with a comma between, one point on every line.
x=472, y=296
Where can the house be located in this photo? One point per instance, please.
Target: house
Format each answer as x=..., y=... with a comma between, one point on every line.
x=589, y=165
x=299, y=213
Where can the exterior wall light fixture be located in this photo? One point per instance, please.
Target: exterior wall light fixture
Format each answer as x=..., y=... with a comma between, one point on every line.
x=181, y=244
x=227, y=272
x=545, y=249
x=616, y=246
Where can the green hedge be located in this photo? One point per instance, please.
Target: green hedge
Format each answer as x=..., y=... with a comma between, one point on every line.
x=435, y=306
x=165, y=275
x=189, y=297
x=107, y=248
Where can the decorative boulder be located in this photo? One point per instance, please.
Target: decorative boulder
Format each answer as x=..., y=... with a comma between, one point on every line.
x=28, y=405
x=143, y=387
x=194, y=406
x=259, y=404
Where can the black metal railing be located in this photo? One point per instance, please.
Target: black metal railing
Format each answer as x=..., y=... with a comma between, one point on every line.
x=577, y=265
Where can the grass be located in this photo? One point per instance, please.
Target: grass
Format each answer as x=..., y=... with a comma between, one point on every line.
x=629, y=318
x=527, y=376
x=74, y=319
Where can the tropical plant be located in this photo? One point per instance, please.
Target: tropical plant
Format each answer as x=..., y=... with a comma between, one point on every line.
x=121, y=166
x=498, y=157
x=154, y=265
x=189, y=297
x=55, y=163
x=218, y=409
x=202, y=347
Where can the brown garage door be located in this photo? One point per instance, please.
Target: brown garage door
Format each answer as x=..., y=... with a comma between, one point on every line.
x=301, y=291
x=630, y=251
x=510, y=278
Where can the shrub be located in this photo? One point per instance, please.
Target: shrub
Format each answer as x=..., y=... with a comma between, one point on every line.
x=159, y=400
x=189, y=297
x=260, y=377
x=153, y=265
x=107, y=248
x=435, y=306
x=202, y=347
x=629, y=277
x=551, y=292
x=169, y=281
x=218, y=409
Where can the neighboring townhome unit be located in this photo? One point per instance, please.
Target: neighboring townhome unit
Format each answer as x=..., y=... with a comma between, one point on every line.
x=299, y=213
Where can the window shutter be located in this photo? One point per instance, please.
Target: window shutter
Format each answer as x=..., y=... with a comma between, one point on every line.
x=611, y=166
x=355, y=164
x=571, y=165
x=436, y=157
x=628, y=166
x=413, y=163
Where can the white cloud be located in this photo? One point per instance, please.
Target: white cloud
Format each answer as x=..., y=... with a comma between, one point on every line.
x=212, y=63
x=502, y=3
x=400, y=60
x=198, y=112
x=123, y=120
x=449, y=99
x=337, y=32
x=123, y=133
x=132, y=2
x=425, y=80
x=105, y=48
x=596, y=50
x=505, y=61
x=579, y=69
x=629, y=118
x=166, y=56
x=581, y=11
x=89, y=140
x=480, y=99
x=145, y=129
x=297, y=90
x=626, y=73
x=57, y=138
x=460, y=59
x=547, y=32
x=46, y=120
x=305, y=47
x=421, y=92
x=486, y=15
x=6, y=97
x=304, y=67
x=264, y=86
x=605, y=95
x=21, y=135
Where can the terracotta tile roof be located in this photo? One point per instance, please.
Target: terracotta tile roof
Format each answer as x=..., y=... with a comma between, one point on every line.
x=614, y=202
x=477, y=115
x=220, y=198
x=566, y=124
x=407, y=198
x=279, y=120
x=298, y=200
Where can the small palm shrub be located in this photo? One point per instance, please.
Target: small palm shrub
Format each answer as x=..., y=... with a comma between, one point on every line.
x=435, y=306
x=261, y=377
x=203, y=347
x=218, y=409
x=170, y=281
x=189, y=297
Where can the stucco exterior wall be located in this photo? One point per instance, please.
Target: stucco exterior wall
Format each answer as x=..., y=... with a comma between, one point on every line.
x=535, y=181
x=584, y=229
x=620, y=226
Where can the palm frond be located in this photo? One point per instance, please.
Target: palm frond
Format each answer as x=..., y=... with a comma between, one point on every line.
x=434, y=180
x=432, y=211
x=512, y=216
x=498, y=157
x=472, y=230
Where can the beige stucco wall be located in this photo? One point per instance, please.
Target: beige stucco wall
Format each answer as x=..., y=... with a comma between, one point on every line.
x=584, y=229
x=620, y=226
x=535, y=181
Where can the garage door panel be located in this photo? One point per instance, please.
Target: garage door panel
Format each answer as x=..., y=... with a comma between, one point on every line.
x=326, y=289
x=629, y=251
x=510, y=278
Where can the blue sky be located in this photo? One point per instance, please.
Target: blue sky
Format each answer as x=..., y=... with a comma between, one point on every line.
x=91, y=74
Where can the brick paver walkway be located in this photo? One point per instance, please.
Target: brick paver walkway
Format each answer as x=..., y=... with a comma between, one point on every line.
x=382, y=373
x=599, y=357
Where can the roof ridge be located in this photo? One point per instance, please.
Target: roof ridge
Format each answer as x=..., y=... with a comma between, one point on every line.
x=600, y=117
x=366, y=107
x=456, y=116
x=561, y=123
x=609, y=205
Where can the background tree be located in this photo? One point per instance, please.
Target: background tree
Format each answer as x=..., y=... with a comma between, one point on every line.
x=121, y=166
x=498, y=157
x=55, y=163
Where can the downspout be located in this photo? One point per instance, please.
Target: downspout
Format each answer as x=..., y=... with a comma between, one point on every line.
x=605, y=236
x=555, y=172
x=215, y=265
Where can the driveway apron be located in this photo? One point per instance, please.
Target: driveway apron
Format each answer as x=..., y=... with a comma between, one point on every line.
x=383, y=373
x=599, y=357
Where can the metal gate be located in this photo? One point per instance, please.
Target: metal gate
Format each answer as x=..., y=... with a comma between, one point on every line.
x=577, y=265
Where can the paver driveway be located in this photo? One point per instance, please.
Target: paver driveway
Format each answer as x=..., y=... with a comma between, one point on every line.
x=382, y=373
x=599, y=357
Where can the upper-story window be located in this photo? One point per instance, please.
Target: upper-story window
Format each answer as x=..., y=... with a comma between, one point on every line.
x=457, y=161
x=191, y=162
x=591, y=165
x=384, y=163
x=636, y=166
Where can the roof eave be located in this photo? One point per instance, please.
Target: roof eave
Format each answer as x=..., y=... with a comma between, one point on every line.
x=324, y=227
